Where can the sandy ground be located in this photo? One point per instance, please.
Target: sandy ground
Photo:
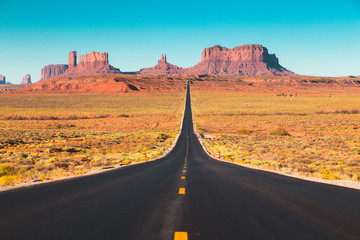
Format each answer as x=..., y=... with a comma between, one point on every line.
x=38, y=182
x=342, y=183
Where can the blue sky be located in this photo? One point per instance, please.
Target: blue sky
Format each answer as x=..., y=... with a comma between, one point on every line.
x=309, y=37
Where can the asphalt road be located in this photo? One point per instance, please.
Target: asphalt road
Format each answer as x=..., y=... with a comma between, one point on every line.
x=186, y=192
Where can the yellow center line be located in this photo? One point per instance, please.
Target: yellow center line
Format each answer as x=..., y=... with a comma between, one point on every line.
x=183, y=177
x=184, y=171
x=180, y=236
x=187, y=150
x=182, y=191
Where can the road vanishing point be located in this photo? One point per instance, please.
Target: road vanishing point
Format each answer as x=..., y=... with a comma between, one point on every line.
x=185, y=195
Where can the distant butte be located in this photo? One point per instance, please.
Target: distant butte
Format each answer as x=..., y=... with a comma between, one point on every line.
x=245, y=60
x=2, y=79
x=92, y=63
x=26, y=79
x=163, y=68
x=51, y=71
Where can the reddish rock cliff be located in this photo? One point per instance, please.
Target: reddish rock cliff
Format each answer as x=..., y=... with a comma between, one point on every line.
x=72, y=59
x=92, y=63
x=51, y=71
x=245, y=60
x=162, y=59
x=163, y=68
x=94, y=58
x=2, y=79
x=26, y=79
x=249, y=60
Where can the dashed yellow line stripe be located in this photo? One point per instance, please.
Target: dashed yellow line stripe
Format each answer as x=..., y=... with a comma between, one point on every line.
x=183, y=177
x=182, y=191
x=180, y=236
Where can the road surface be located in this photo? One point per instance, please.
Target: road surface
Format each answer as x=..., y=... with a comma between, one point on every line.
x=186, y=195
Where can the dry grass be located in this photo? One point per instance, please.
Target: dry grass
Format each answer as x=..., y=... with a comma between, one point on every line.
x=52, y=136
x=313, y=135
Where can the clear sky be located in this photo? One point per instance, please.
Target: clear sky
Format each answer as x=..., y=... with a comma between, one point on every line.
x=310, y=37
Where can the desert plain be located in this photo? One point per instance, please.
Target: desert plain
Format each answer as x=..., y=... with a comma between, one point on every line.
x=69, y=126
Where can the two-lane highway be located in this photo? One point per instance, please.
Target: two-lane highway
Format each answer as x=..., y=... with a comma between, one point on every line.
x=186, y=195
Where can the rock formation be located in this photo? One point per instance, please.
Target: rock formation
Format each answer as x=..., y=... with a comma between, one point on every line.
x=72, y=59
x=94, y=58
x=51, y=71
x=248, y=60
x=163, y=68
x=162, y=59
x=2, y=79
x=92, y=63
x=26, y=79
x=245, y=60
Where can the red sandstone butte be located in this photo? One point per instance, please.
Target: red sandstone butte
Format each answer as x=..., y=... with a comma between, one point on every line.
x=51, y=71
x=2, y=79
x=163, y=68
x=72, y=59
x=246, y=60
x=26, y=79
x=92, y=63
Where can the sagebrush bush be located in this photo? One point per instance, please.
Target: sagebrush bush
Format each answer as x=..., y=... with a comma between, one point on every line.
x=6, y=169
x=280, y=131
x=244, y=131
x=9, y=180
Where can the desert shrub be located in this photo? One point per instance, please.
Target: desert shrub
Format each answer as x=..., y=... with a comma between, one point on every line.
x=242, y=161
x=162, y=137
x=55, y=149
x=8, y=180
x=228, y=158
x=326, y=174
x=6, y=169
x=244, y=131
x=353, y=111
x=280, y=131
x=61, y=165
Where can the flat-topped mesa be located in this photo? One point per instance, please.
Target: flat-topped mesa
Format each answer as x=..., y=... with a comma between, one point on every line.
x=94, y=58
x=2, y=79
x=245, y=53
x=26, y=79
x=245, y=60
x=51, y=71
x=250, y=60
x=72, y=59
x=162, y=68
x=92, y=63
